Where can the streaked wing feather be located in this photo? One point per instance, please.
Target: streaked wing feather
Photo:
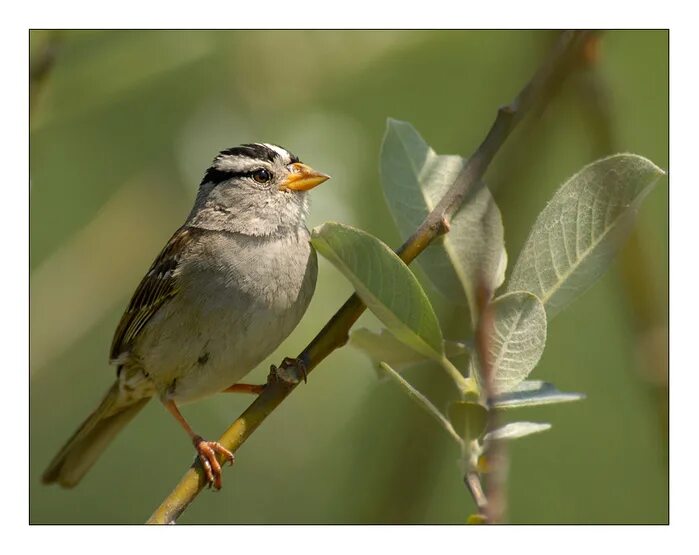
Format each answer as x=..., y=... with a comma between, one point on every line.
x=158, y=285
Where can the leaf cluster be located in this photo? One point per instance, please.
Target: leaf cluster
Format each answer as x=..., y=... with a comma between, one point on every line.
x=570, y=245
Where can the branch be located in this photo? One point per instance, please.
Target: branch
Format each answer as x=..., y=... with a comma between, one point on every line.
x=563, y=58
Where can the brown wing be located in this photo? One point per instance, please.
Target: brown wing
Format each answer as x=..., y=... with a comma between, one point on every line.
x=158, y=285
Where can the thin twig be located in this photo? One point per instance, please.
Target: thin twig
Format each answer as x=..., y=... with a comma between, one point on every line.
x=473, y=483
x=335, y=333
x=41, y=66
x=495, y=453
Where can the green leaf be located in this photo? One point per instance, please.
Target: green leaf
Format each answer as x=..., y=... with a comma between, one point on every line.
x=414, y=180
x=384, y=283
x=532, y=393
x=468, y=419
x=385, y=347
x=515, y=340
x=422, y=401
x=576, y=235
x=515, y=430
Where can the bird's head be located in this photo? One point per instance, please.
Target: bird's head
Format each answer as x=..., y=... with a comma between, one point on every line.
x=255, y=189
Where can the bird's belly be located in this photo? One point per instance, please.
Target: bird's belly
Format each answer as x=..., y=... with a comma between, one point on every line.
x=210, y=336
x=224, y=351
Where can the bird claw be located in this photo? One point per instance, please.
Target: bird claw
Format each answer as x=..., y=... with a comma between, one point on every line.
x=288, y=371
x=207, y=451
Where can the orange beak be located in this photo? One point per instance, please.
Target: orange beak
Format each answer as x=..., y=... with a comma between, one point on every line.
x=303, y=178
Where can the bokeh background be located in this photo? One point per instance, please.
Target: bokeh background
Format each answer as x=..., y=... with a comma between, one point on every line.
x=123, y=124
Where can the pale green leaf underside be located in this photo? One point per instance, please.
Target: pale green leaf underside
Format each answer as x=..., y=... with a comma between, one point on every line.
x=468, y=419
x=385, y=347
x=421, y=400
x=414, y=179
x=384, y=283
x=576, y=235
x=533, y=393
x=515, y=430
x=515, y=340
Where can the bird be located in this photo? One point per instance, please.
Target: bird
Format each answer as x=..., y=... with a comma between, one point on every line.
x=228, y=287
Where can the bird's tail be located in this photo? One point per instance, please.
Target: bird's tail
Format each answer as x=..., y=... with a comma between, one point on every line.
x=94, y=435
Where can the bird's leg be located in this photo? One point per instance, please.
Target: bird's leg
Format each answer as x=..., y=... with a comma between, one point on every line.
x=245, y=388
x=207, y=450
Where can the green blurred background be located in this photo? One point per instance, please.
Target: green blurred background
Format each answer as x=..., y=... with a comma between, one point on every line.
x=123, y=125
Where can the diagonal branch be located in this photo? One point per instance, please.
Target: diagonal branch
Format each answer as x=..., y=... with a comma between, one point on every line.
x=563, y=59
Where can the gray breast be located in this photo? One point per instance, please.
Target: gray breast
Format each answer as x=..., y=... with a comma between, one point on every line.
x=273, y=273
x=239, y=298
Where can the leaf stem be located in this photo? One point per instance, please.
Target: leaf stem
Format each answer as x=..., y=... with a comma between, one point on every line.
x=424, y=402
x=465, y=385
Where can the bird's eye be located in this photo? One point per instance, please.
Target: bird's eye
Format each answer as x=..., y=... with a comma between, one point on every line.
x=261, y=175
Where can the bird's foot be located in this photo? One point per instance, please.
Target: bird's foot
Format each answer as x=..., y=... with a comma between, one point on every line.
x=290, y=371
x=207, y=451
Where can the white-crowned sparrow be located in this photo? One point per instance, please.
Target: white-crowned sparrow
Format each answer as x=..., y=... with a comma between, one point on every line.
x=228, y=287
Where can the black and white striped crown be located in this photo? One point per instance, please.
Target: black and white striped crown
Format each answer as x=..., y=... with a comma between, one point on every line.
x=240, y=160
